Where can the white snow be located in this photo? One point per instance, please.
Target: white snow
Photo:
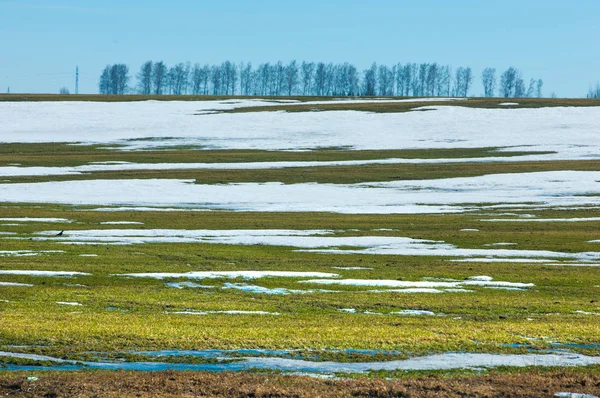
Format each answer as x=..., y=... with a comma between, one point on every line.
x=354, y=268
x=382, y=283
x=582, y=264
x=418, y=284
x=121, y=223
x=15, y=284
x=87, y=169
x=574, y=395
x=543, y=220
x=26, y=253
x=556, y=188
x=571, y=131
x=481, y=278
x=403, y=312
x=586, y=312
x=228, y=312
x=181, y=285
x=88, y=255
x=413, y=312
x=498, y=260
x=71, y=303
x=311, y=240
x=469, y=230
x=231, y=274
x=265, y=290
x=509, y=104
x=42, y=273
x=262, y=290
x=36, y=219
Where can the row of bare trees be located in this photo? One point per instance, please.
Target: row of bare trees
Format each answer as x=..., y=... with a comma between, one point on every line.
x=594, y=92
x=313, y=79
x=114, y=79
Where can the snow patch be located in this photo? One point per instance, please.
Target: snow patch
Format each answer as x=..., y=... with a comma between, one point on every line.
x=230, y=274
x=42, y=273
x=15, y=284
x=71, y=303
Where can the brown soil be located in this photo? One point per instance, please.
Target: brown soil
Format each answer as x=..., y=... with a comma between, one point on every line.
x=186, y=384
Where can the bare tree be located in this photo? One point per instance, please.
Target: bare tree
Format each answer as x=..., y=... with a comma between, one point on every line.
x=531, y=88
x=508, y=81
x=458, y=81
x=196, y=79
x=144, y=78
x=414, y=82
x=104, y=83
x=291, y=77
x=538, y=89
x=385, y=80
x=159, y=77
x=370, y=81
x=307, y=70
x=520, y=90
x=216, y=79
x=432, y=78
x=444, y=80
x=245, y=78
x=178, y=78
x=488, y=79
x=594, y=92
x=64, y=91
x=114, y=79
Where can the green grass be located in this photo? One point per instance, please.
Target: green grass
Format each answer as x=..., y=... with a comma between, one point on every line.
x=127, y=314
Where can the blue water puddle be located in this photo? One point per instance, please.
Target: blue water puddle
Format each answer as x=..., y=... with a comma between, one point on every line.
x=301, y=361
x=563, y=346
x=313, y=355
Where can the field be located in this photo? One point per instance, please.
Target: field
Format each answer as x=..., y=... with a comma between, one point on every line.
x=427, y=246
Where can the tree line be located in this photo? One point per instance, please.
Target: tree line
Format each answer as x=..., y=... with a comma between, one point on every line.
x=594, y=92
x=313, y=79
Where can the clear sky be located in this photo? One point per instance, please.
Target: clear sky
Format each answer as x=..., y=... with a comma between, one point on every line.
x=41, y=41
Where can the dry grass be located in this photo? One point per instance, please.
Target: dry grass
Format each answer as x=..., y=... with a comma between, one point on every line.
x=395, y=107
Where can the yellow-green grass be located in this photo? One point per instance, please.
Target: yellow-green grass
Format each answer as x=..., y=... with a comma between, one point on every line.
x=121, y=313
x=65, y=154
x=329, y=174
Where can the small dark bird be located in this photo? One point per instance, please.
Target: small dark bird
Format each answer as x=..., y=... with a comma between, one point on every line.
x=60, y=233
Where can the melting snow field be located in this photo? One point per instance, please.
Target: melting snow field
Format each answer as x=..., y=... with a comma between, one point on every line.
x=445, y=361
x=474, y=281
x=318, y=241
x=160, y=124
x=44, y=220
x=13, y=171
x=232, y=274
x=557, y=188
x=566, y=133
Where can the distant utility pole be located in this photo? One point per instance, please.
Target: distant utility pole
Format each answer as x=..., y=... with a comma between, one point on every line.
x=77, y=80
x=8, y=90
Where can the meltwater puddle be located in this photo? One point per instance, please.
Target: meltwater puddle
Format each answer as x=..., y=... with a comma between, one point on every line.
x=281, y=360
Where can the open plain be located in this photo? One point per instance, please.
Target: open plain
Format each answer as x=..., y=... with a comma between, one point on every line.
x=427, y=241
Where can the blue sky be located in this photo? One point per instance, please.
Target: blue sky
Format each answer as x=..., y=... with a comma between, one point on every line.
x=43, y=40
